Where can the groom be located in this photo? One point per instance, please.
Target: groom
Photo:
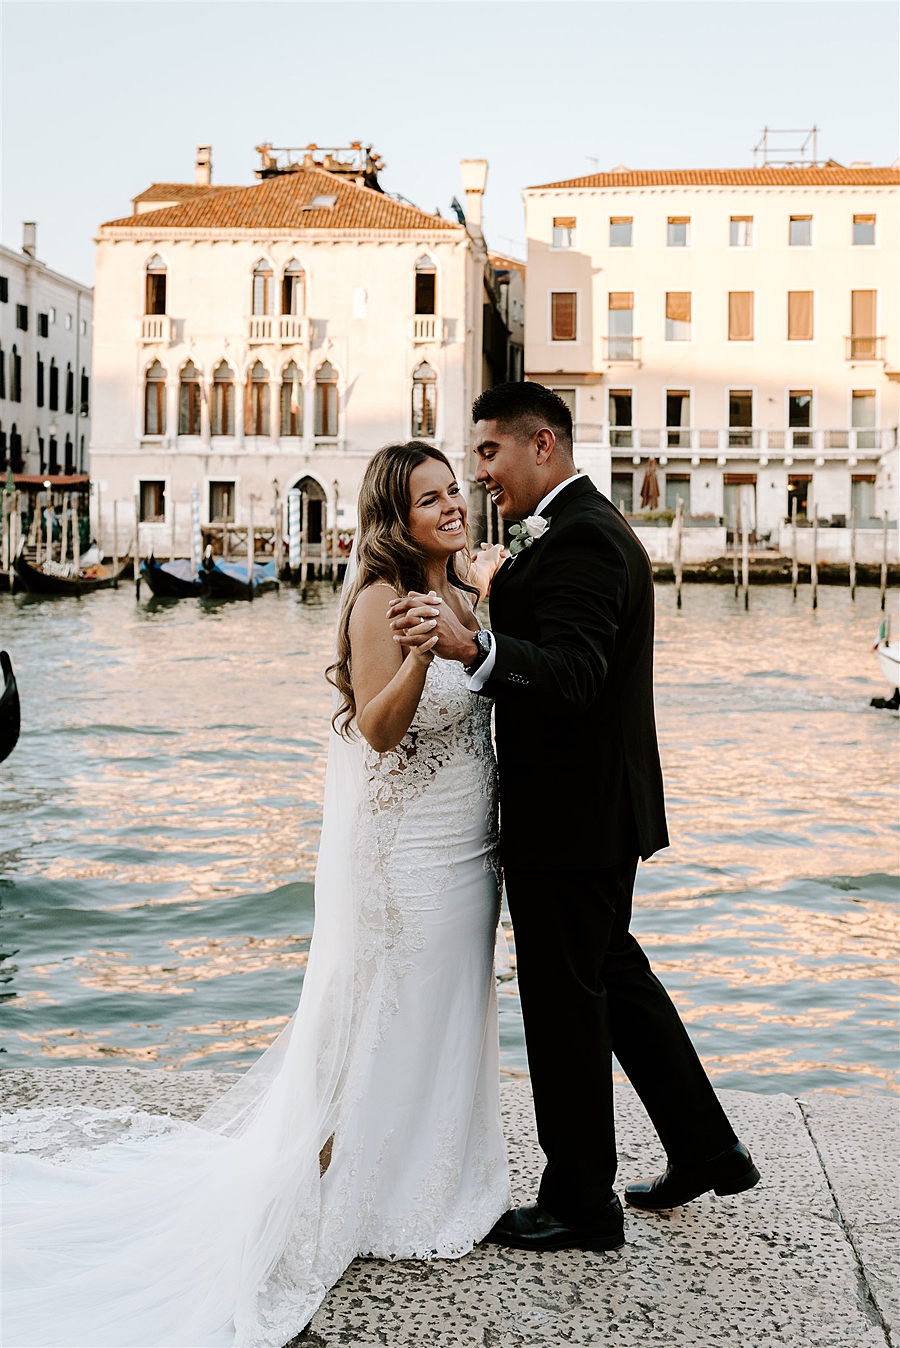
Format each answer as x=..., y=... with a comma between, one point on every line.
x=569, y=663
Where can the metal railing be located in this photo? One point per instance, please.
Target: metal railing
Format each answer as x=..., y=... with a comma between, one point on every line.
x=622, y=350
x=864, y=349
x=732, y=440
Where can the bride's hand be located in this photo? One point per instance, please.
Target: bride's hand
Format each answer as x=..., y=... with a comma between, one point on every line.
x=425, y=618
x=485, y=565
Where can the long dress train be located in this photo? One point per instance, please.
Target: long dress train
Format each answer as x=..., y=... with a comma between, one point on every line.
x=370, y=1127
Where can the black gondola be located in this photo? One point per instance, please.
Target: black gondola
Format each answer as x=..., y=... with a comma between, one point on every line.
x=171, y=580
x=38, y=581
x=228, y=580
x=10, y=719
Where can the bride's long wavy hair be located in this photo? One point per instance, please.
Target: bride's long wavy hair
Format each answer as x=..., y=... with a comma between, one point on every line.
x=387, y=551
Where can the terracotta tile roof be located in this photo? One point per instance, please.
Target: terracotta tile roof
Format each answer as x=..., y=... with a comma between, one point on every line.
x=178, y=191
x=500, y=262
x=760, y=177
x=284, y=202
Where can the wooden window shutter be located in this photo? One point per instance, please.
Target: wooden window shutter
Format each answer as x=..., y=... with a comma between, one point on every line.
x=563, y=222
x=678, y=305
x=740, y=316
x=862, y=313
x=564, y=315
x=621, y=299
x=800, y=315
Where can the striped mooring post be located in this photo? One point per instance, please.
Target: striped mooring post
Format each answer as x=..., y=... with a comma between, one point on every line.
x=196, y=533
x=294, y=506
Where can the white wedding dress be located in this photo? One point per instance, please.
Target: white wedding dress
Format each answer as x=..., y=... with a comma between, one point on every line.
x=370, y=1127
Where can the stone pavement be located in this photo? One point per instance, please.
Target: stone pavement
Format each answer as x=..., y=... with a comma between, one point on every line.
x=808, y=1259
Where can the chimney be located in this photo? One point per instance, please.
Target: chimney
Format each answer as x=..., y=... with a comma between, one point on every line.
x=203, y=166
x=29, y=238
x=474, y=178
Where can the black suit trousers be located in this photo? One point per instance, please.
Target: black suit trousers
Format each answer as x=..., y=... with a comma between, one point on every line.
x=588, y=992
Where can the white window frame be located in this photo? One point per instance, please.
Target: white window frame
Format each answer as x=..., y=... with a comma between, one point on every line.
x=753, y=390
x=568, y=247
x=743, y=341
x=166, y=480
x=805, y=341
x=616, y=246
x=876, y=241
x=690, y=427
x=743, y=247
x=801, y=215
x=221, y=477
x=689, y=241
x=813, y=415
x=677, y=341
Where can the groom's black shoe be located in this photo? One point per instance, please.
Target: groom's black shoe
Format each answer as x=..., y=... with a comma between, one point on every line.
x=533, y=1228
x=731, y=1172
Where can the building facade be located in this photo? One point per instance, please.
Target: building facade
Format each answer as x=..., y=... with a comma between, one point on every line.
x=739, y=326
x=46, y=322
x=254, y=339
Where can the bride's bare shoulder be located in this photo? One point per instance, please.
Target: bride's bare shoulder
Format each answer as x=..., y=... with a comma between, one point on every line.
x=371, y=604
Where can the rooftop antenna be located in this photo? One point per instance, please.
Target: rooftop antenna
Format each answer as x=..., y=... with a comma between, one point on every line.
x=775, y=150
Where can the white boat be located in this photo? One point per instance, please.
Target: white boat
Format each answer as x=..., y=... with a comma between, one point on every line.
x=888, y=652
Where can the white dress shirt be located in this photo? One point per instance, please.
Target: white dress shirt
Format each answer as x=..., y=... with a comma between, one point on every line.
x=480, y=676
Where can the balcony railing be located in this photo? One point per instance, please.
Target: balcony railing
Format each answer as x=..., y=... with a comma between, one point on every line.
x=738, y=441
x=622, y=350
x=426, y=328
x=261, y=329
x=156, y=328
x=863, y=349
x=293, y=330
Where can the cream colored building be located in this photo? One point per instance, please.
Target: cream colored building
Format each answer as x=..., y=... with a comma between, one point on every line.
x=45, y=365
x=252, y=339
x=741, y=326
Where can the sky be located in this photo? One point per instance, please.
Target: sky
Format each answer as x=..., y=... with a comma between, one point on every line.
x=101, y=99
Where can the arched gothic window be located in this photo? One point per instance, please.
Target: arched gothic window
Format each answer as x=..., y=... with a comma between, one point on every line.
x=15, y=377
x=424, y=401
x=293, y=289
x=154, y=399
x=426, y=286
x=326, y=401
x=189, y=401
x=223, y=400
x=156, y=286
x=69, y=456
x=291, y=401
x=256, y=404
x=262, y=288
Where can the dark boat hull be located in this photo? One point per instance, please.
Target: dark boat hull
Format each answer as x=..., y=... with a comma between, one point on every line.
x=219, y=584
x=36, y=582
x=165, y=585
x=10, y=715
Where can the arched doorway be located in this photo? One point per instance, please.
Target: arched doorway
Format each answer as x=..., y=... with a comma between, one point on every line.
x=316, y=509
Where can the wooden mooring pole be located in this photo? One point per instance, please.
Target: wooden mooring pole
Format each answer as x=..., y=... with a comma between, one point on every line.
x=745, y=562
x=336, y=538
x=734, y=548
x=64, y=535
x=251, y=544
x=76, y=536
x=115, y=542
x=853, y=554
x=304, y=542
x=882, y=585
x=814, y=564
x=795, y=569
x=137, y=545
x=677, y=561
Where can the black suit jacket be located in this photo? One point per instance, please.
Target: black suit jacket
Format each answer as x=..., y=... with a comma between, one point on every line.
x=572, y=616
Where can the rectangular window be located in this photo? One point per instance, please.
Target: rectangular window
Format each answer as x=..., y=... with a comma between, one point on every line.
x=739, y=503
x=620, y=319
x=563, y=316
x=678, y=417
x=426, y=292
x=741, y=231
x=620, y=420
x=678, y=316
x=83, y=327
x=740, y=316
x=4, y=290
x=43, y=325
x=223, y=407
x=189, y=407
x=800, y=417
x=40, y=382
x=800, y=231
x=568, y=397
x=53, y=398
x=740, y=416
x=798, y=490
x=678, y=484
x=52, y=314
x=221, y=502
x=22, y=317
x=70, y=390
x=156, y=292
x=620, y=231
x=153, y=502
x=862, y=497
x=326, y=410
x=800, y=316
x=623, y=492
x=863, y=341
x=863, y=417
x=564, y=231
x=2, y=373
x=154, y=406
x=863, y=229
x=68, y=322
x=678, y=230
x=15, y=377
x=85, y=394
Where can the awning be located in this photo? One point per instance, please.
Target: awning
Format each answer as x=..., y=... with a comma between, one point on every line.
x=58, y=481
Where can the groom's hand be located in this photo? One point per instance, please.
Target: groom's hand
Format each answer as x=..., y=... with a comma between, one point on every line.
x=419, y=617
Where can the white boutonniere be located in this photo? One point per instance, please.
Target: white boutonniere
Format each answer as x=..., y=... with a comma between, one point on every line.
x=528, y=532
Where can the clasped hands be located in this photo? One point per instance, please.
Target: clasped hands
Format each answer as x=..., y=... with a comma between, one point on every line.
x=426, y=622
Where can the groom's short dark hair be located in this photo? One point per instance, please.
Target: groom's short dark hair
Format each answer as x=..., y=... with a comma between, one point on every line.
x=525, y=406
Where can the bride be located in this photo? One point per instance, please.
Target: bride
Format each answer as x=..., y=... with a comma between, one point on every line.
x=371, y=1126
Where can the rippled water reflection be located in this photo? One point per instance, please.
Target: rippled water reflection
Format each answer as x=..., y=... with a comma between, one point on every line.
x=163, y=809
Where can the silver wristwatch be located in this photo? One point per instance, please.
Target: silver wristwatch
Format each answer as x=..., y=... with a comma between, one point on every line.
x=485, y=643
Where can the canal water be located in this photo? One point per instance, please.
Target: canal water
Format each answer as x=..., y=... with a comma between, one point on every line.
x=162, y=814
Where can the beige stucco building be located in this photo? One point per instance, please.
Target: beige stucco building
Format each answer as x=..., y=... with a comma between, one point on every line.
x=252, y=339
x=741, y=326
